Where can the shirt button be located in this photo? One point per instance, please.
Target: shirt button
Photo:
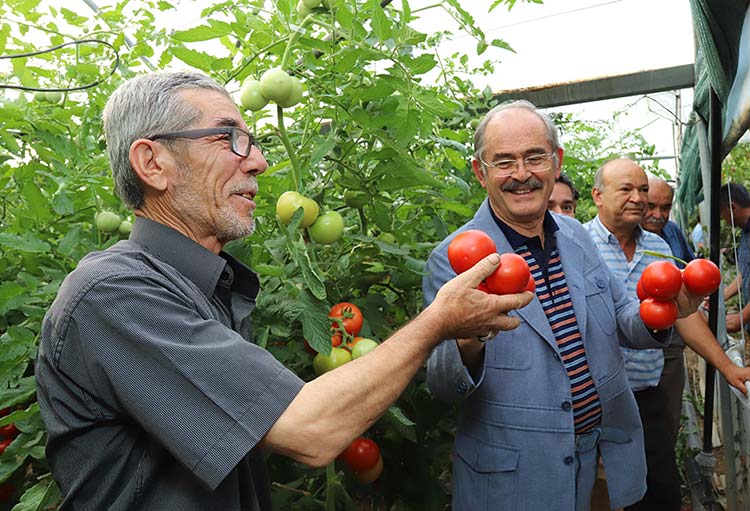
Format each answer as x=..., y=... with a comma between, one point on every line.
x=565, y=405
x=600, y=283
x=569, y=460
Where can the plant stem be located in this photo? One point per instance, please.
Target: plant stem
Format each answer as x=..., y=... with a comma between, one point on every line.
x=330, y=487
x=296, y=177
x=664, y=256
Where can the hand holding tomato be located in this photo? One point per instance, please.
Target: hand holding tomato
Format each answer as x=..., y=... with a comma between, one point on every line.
x=468, y=248
x=461, y=311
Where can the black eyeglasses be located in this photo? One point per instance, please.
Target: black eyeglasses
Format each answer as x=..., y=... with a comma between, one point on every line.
x=241, y=142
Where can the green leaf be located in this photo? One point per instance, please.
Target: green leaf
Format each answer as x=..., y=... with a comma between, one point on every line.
x=197, y=59
x=322, y=149
x=203, y=33
x=26, y=243
x=269, y=270
x=381, y=24
x=41, y=496
x=316, y=327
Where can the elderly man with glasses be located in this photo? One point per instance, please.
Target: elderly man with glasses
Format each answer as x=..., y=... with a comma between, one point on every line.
x=541, y=403
x=152, y=391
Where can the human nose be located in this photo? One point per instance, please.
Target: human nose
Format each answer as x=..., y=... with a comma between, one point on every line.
x=254, y=163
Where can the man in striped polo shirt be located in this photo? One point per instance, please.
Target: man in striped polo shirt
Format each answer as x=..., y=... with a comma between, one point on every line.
x=541, y=403
x=621, y=194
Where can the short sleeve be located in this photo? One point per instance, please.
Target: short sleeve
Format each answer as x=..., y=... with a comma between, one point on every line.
x=204, y=392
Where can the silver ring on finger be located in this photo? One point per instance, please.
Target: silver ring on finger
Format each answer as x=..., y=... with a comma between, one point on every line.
x=490, y=335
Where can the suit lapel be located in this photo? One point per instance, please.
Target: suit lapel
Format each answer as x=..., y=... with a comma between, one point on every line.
x=572, y=258
x=533, y=313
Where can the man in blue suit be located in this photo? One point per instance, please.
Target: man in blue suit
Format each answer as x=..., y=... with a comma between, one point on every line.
x=541, y=402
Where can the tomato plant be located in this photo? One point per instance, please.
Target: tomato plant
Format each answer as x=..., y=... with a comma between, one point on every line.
x=328, y=228
x=658, y=314
x=362, y=454
x=250, y=95
x=363, y=347
x=701, y=276
x=349, y=315
x=371, y=474
x=511, y=276
x=661, y=280
x=324, y=363
x=468, y=248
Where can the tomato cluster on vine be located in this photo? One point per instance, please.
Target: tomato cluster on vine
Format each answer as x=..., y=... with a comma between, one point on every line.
x=512, y=274
x=661, y=282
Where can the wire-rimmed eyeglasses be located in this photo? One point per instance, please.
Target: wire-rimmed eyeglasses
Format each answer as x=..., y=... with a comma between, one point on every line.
x=240, y=141
x=533, y=163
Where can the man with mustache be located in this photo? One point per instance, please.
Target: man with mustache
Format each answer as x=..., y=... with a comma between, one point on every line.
x=541, y=403
x=656, y=220
x=621, y=193
x=154, y=395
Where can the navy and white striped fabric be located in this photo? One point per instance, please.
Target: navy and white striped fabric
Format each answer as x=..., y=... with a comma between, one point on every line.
x=644, y=367
x=553, y=294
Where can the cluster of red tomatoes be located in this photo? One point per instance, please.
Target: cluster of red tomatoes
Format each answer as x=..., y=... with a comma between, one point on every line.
x=363, y=458
x=7, y=434
x=660, y=283
x=511, y=276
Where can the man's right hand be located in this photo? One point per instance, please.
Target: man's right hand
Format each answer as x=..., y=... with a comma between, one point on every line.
x=465, y=312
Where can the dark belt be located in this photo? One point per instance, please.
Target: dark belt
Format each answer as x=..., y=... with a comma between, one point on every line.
x=588, y=441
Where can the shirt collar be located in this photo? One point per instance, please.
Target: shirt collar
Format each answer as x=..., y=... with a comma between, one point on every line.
x=606, y=235
x=517, y=239
x=196, y=262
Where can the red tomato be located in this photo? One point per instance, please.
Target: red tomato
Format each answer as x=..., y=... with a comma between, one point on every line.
x=701, y=276
x=662, y=280
x=483, y=287
x=350, y=316
x=531, y=284
x=309, y=348
x=9, y=431
x=4, y=412
x=361, y=455
x=468, y=248
x=640, y=291
x=7, y=491
x=370, y=475
x=4, y=443
x=658, y=314
x=512, y=276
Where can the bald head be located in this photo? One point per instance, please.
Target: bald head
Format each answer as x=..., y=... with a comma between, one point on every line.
x=620, y=192
x=660, y=196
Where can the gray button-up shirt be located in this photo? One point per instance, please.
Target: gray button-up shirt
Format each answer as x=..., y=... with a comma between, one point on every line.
x=153, y=394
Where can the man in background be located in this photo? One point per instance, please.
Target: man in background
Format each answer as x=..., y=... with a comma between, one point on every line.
x=564, y=197
x=734, y=209
x=656, y=220
x=621, y=194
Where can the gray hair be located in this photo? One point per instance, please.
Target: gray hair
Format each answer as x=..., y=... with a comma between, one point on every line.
x=552, y=134
x=142, y=107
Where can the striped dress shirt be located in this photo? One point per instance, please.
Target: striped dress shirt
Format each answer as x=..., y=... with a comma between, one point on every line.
x=643, y=366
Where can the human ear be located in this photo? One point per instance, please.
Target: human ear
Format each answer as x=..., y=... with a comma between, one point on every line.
x=147, y=158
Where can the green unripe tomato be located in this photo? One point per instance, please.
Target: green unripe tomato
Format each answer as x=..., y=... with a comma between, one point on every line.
x=324, y=363
x=107, y=221
x=276, y=84
x=363, y=347
x=295, y=94
x=328, y=228
x=302, y=9
x=125, y=227
x=250, y=95
x=290, y=201
x=355, y=199
x=311, y=212
x=54, y=97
